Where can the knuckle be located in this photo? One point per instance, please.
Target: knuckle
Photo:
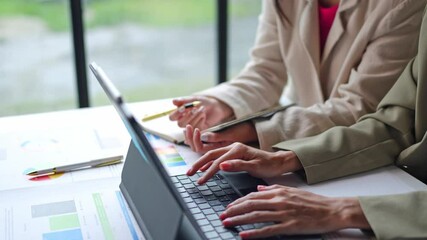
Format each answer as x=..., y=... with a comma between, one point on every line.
x=237, y=147
x=240, y=146
x=251, y=195
x=269, y=230
x=254, y=165
x=282, y=191
x=216, y=163
x=250, y=204
x=255, y=215
x=209, y=154
x=278, y=203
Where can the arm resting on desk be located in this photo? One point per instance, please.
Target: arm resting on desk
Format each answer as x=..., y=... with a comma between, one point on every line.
x=400, y=216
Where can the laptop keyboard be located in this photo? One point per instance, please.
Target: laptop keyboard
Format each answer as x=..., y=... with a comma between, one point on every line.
x=208, y=201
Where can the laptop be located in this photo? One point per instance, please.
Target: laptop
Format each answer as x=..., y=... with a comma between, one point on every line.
x=174, y=207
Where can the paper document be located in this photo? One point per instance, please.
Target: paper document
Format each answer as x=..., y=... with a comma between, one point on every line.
x=94, y=210
x=31, y=149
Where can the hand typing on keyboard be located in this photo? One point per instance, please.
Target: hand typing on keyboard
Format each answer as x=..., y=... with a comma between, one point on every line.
x=207, y=202
x=294, y=211
x=239, y=157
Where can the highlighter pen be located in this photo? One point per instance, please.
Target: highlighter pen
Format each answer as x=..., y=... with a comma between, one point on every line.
x=167, y=112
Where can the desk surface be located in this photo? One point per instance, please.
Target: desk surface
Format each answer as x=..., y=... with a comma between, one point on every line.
x=87, y=204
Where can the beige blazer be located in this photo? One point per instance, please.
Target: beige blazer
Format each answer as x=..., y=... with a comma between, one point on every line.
x=368, y=46
x=395, y=134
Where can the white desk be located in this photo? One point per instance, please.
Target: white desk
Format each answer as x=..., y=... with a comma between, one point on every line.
x=87, y=204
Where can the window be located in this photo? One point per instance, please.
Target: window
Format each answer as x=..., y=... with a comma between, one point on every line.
x=150, y=49
x=242, y=30
x=36, y=64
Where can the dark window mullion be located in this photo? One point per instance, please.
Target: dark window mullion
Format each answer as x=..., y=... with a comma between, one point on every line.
x=80, y=57
x=79, y=52
x=222, y=35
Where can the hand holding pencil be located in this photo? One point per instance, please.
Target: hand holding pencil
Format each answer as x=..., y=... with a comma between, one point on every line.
x=181, y=108
x=209, y=112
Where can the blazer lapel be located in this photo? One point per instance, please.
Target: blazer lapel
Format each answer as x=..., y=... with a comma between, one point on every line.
x=337, y=28
x=309, y=34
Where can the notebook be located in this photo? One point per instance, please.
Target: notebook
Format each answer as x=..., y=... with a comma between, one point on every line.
x=164, y=128
x=170, y=131
x=173, y=207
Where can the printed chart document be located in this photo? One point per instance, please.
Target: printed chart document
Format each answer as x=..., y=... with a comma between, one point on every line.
x=94, y=210
x=80, y=205
x=85, y=204
x=32, y=149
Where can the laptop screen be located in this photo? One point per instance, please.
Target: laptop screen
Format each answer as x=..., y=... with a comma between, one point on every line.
x=155, y=202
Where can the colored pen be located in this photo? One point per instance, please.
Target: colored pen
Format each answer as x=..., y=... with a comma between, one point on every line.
x=167, y=112
x=75, y=166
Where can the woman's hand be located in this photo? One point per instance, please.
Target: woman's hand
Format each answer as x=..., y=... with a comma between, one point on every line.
x=203, y=142
x=208, y=113
x=239, y=157
x=293, y=211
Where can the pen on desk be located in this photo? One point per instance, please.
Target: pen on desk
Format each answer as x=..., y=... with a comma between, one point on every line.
x=167, y=112
x=75, y=166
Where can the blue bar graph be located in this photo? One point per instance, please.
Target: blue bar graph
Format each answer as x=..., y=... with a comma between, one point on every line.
x=74, y=234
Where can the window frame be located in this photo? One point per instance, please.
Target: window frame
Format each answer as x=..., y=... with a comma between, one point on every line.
x=80, y=65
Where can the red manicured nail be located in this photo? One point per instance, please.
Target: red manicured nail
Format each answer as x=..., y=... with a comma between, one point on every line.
x=222, y=216
x=225, y=166
x=244, y=234
x=226, y=223
x=261, y=187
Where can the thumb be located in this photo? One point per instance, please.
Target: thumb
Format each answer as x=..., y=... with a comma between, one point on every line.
x=271, y=187
x=222, y=136
x=236, y=166
x=211, y=137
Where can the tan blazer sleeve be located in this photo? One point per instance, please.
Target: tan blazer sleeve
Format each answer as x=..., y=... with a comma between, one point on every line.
x=390, y=46
x=260, y=83
x=375, y=141
x=400, y=216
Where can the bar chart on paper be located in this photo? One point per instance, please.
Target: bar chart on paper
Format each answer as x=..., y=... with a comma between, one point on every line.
x=99, y=215
x=62, y=219
x=169, y=154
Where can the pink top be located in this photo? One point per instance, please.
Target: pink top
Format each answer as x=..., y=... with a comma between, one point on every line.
x=326, y=18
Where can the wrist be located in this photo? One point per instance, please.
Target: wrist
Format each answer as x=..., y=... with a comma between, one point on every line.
x=351, y=214
x=289, y=160
x=226, y=111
